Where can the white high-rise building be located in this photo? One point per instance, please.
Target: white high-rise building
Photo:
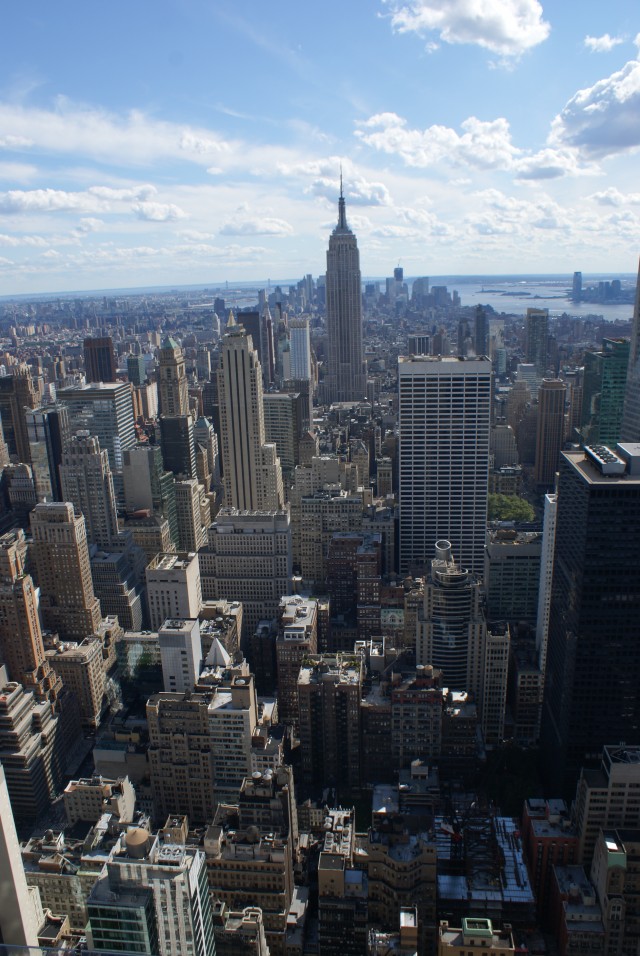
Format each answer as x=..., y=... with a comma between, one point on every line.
x=18, y=924
x=252, y=472
x=445, y=412
x=181, y=654
x=173, y=587
x=546, y=577
x=300, y=353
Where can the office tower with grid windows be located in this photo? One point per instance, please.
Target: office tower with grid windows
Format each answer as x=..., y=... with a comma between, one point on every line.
x=445, y=411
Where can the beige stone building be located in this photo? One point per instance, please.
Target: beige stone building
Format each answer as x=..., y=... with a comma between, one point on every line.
x=81, y=667
x=248, y=559
x=476, y=935
x=251, y=467
x=68, y=604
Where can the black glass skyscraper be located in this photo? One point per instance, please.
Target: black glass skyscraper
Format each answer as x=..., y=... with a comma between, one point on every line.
x=630, y=430
x=592, y=686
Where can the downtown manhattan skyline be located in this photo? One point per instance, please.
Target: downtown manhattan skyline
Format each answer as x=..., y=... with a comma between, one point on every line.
x=202, y=142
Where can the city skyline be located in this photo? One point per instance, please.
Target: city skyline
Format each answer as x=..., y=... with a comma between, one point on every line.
x=179, y=165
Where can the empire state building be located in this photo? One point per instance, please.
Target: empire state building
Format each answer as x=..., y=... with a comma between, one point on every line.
x=346, y=378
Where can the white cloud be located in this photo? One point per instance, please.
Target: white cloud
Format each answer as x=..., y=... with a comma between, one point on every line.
x=357, y=192
x=158, y=211
x=22, y=240
x=17, y=172
x=46, y=200
x=202, y=145
x=89, y=224
x=506, y=27
x=143, y=192
x=325, y=181
x=395, y=232
x=134, y=139
x=500, y=214
x=192, y=235
x=481, y=144
x=15, y=142
x=602, y=119
x=603, y=44
x=613, y=197
x=486, y=145
x=550, y=164
x=243, y=225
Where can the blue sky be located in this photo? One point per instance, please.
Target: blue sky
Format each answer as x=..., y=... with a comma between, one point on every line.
x=191, y=141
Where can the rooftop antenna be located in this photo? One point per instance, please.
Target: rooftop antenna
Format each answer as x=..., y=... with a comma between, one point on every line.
x=342, y=216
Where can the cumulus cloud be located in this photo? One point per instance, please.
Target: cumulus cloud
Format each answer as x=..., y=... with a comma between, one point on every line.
x=550, y=164
x=499, y=214
x=613, y=197
x=89, y=224
x=242, y=225
x=481, y=144
x=325, y=181
x=602, y=119
x=506, y=27
x=602, y=44
x=46, y=200
x=158, y=211
x=203, y=145
x=485, y=145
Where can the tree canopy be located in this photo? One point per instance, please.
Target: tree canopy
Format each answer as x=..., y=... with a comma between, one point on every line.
x=509, y=508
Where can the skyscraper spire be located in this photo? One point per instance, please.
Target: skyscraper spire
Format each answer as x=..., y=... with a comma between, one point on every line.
x=342, y=213
x=345, y=379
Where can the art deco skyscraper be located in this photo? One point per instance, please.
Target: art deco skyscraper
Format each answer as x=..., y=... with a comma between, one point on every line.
x=173, y=390
x=445, y=410
x=252, y=473
x=87, y=483
x=67, y=600
x=21, y=645
x=346, y=379
x=630, y=430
